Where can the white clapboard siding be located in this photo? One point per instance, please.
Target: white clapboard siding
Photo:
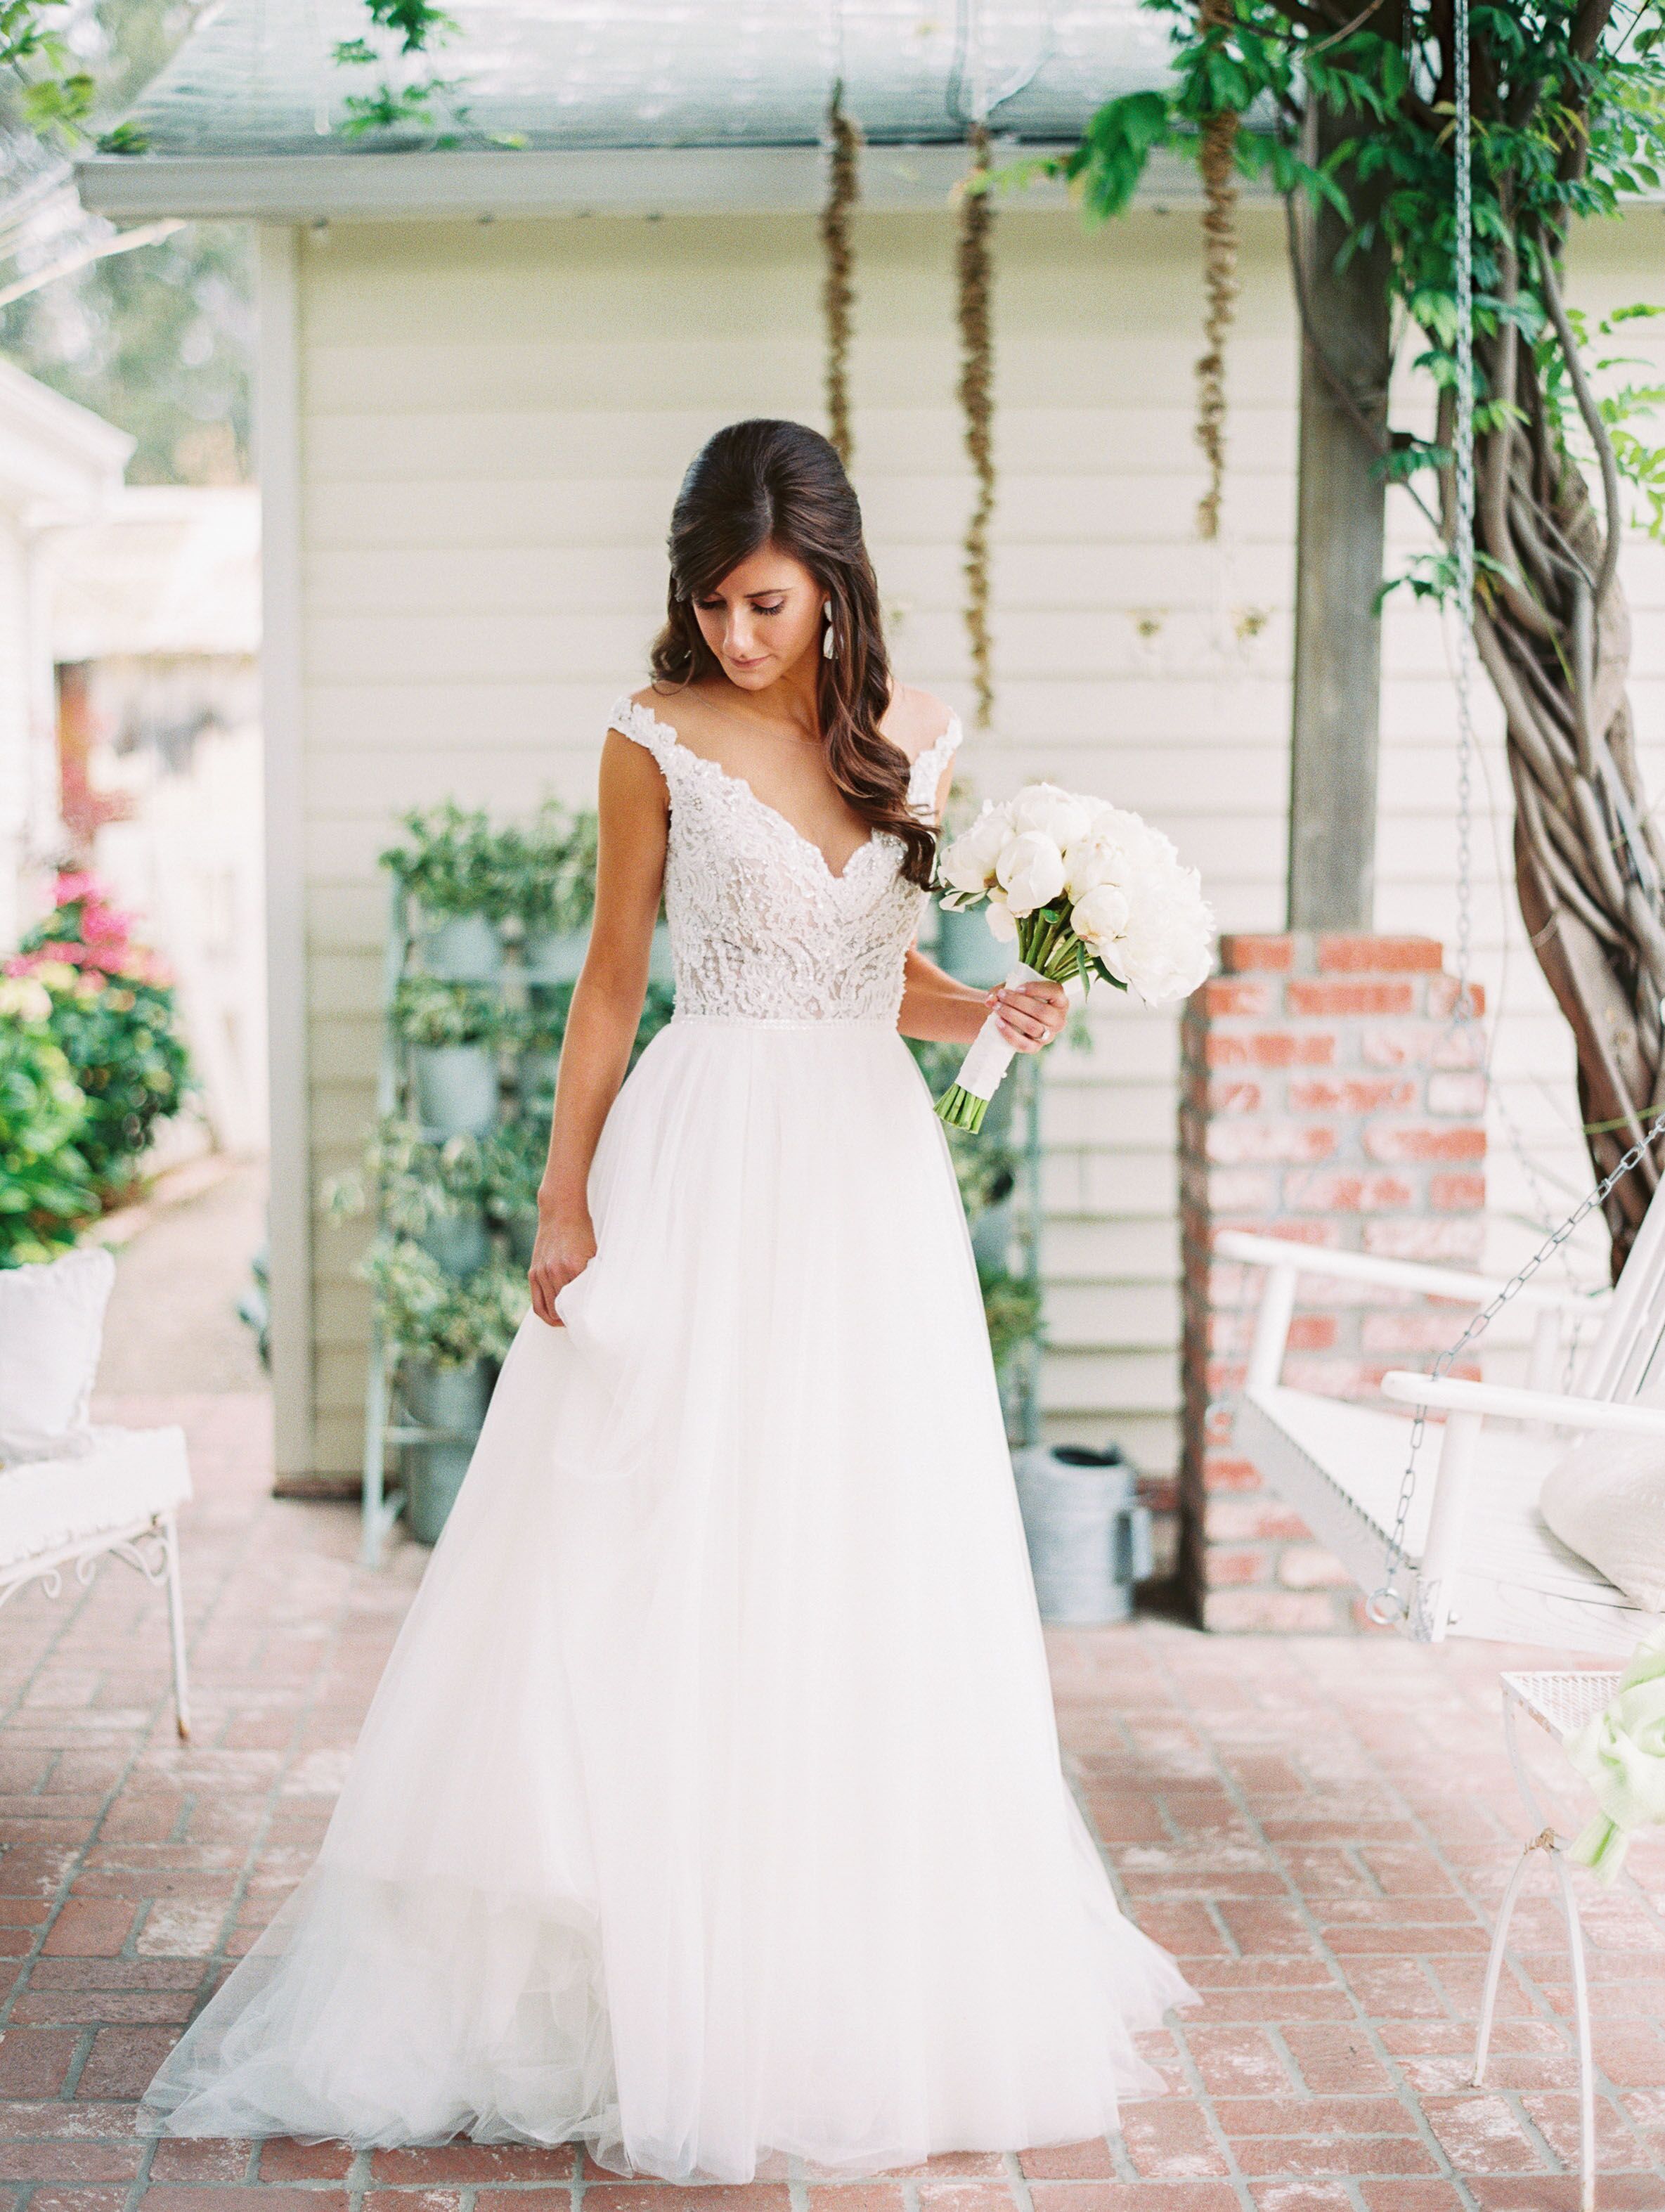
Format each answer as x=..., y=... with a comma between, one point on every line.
x=494, y=419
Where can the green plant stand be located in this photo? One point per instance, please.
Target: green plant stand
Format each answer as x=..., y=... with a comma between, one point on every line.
x=421, y=1421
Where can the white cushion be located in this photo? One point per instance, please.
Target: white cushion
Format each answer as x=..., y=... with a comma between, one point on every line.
x=1605, y=1499
x=123, y=1476
x=51, y=1323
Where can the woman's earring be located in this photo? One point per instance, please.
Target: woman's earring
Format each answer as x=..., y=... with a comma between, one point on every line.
x=827, y=638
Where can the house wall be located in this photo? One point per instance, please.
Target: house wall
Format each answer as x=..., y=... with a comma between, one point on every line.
x=492, y=423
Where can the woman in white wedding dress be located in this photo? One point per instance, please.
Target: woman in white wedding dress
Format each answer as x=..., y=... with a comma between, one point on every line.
x=711, y=1801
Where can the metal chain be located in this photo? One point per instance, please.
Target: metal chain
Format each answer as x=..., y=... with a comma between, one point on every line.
x=1387, y=1605
x=1464, y=519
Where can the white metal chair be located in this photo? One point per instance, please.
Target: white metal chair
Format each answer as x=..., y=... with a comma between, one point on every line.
x=117, y=1500
x=1559, y=1704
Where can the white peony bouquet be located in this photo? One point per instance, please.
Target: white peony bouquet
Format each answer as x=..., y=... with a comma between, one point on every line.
x=1083, y=888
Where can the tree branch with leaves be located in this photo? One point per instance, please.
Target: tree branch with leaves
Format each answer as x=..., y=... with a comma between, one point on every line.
x=1569, y=123
x=402, y=92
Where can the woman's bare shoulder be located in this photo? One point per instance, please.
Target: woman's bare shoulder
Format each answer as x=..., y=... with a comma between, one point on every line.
x=915, y=720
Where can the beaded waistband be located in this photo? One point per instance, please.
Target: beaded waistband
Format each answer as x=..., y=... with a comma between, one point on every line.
x=786, y=1021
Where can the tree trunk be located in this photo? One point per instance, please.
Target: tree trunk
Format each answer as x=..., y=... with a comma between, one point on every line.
x=1553, y=629
x=1342, y=497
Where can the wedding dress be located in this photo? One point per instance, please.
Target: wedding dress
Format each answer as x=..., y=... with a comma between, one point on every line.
x=711, y=1801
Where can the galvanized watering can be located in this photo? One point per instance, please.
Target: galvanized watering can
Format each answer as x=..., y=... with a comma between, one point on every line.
x=1089, y=1537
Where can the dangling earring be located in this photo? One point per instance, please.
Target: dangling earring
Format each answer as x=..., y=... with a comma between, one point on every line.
x=827, y=635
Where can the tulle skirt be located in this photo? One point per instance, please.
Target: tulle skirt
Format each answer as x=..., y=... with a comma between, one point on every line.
x=711, y=1801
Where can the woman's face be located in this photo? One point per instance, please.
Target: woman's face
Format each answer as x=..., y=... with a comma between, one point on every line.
x=763, y=618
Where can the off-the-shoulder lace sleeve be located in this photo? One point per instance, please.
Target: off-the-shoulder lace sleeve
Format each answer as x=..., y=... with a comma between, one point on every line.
x=926, y=771
x=640, y=723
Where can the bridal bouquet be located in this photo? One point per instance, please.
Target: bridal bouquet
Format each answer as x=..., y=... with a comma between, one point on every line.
x=1084, y=889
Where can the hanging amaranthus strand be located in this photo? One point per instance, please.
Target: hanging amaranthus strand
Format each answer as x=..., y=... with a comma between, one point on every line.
x=976, y=397
x=1217, y=161
x=837, y=291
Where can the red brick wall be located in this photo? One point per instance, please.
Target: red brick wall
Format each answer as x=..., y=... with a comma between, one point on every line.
x=1325, y=1096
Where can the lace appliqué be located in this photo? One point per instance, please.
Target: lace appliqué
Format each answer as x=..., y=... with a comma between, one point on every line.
x=760, y=927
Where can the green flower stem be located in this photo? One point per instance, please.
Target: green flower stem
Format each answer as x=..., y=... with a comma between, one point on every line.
x=962, y=1110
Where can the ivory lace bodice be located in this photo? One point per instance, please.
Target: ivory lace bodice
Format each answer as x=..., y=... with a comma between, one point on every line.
x=760, y=927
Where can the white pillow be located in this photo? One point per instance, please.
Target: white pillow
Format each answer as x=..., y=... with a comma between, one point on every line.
x=52, y=1322
x=1605, y=1499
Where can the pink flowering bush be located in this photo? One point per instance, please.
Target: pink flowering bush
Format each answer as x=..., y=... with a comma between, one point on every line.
x=113, y=1017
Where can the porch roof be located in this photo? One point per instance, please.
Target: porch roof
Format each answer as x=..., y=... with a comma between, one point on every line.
x=617, y=103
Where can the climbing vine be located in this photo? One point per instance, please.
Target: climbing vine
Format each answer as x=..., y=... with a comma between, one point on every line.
x=838, y=289
x=1569, y=121
x=974, y=265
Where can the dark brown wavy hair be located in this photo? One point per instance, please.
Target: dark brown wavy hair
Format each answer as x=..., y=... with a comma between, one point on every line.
x=764, y=482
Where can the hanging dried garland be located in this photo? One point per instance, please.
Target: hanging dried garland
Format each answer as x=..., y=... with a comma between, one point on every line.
x=837, y=290
x=976, y=397
x=1217, y=163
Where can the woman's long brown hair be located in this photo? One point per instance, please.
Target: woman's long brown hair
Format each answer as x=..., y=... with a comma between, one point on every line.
x=764, y=482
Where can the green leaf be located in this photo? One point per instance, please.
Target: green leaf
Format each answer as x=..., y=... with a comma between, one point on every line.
x=1116, y=147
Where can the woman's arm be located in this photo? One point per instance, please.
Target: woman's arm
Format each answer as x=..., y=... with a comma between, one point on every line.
x=605, y=1012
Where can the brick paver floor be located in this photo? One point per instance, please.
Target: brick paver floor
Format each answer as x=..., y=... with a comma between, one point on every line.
x=1319, y=1829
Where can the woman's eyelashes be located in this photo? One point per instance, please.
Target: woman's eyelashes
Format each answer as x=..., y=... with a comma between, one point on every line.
x=716, y=607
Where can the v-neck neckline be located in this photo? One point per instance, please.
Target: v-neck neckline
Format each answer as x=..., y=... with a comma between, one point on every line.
x=727, y=776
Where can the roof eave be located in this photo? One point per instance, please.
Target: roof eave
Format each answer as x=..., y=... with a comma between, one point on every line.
x=54, y=455
x=455, y=185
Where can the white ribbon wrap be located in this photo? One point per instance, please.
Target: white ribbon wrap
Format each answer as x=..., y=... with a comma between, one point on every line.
x=990, y=1055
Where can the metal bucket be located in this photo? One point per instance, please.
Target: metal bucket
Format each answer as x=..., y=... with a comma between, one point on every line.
x=456, y=1088
x=459, y=1242
x=452, y=1400
x=1089, y=1537
x=462, y=948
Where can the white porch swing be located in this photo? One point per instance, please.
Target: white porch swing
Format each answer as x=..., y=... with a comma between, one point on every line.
x=1465, y=1547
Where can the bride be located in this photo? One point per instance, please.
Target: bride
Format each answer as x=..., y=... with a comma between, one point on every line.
x=711, y=1801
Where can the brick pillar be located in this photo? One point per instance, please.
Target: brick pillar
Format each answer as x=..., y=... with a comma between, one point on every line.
x=1325, y=1097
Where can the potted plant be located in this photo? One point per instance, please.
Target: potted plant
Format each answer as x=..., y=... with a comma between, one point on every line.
x=988, y=1174
x=452, y=867
x=447, y=1337
x=433, y=1193
x=512, y=1167
x=550, y=882
x=1011, y=1307
x=542, y=1030
x=454, y=1030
